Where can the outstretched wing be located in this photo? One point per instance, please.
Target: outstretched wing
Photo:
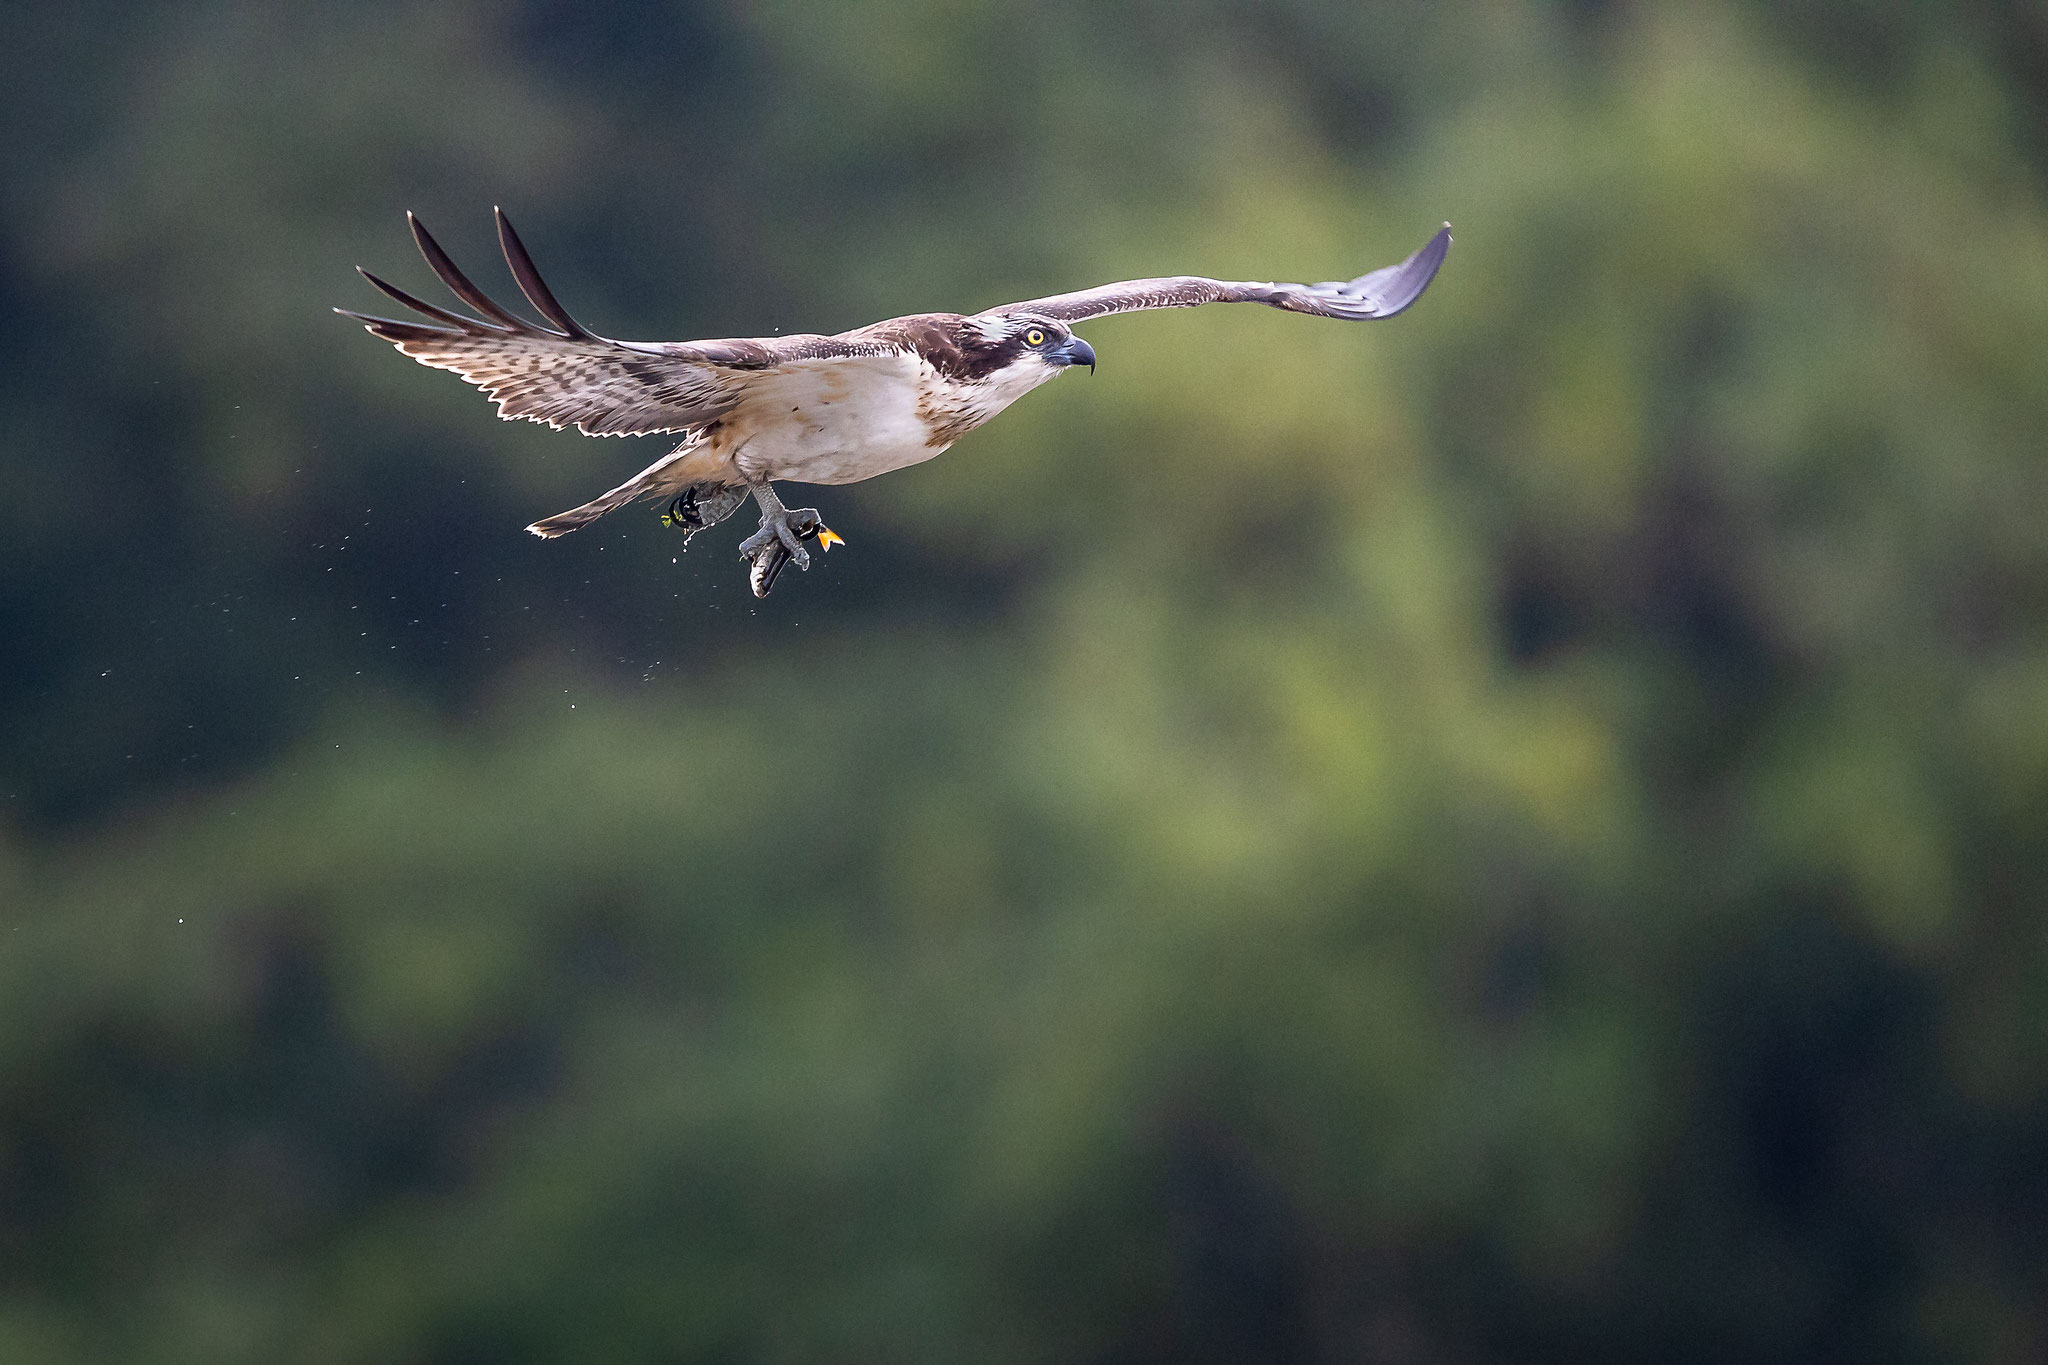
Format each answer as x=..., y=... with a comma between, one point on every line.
x=568, y=374
x=1380, y=294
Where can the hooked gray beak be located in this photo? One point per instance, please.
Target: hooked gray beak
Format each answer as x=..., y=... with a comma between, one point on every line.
x=1078, y=352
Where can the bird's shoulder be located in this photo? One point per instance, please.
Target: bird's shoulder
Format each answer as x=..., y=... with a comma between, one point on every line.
x=958, y=349
x=936, y=338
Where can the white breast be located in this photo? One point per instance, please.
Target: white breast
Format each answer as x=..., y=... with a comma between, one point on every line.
x=850, y=418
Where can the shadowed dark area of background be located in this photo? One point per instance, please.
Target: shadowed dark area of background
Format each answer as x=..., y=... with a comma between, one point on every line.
x=1516, y=833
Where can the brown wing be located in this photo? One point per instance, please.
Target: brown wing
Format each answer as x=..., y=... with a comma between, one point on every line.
x=1380, y=294
x=568, y=374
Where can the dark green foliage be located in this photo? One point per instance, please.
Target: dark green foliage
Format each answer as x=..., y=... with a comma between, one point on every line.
x=1518, y=833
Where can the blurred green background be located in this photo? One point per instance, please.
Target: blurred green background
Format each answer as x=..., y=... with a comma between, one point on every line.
x=1518, y=833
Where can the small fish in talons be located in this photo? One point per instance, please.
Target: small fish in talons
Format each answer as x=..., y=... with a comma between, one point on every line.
x=769, y=555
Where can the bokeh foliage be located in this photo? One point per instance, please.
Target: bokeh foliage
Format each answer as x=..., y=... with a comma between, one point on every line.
x=1517, y=833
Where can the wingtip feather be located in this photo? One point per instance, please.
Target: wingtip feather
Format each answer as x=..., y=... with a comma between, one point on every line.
x=458, y=283
x=1391, y=290
x=527, y=275
x=421, y=306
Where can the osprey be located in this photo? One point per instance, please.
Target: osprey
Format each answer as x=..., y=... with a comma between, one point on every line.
x=805, y=408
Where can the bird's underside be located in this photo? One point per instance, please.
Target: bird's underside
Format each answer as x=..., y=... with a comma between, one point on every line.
x=808, y=409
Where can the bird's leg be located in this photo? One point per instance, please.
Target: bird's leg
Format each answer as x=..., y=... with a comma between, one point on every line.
x=781, y=538
x=699, y=506
x=778, y=523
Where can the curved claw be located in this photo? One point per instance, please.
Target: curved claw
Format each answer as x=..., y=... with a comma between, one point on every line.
x=700, y=506
x=682, y=512
x=793, y=543
x=776, y=538
x=780, y=542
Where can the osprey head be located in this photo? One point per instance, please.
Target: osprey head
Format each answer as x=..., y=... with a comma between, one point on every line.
x=1027, y=339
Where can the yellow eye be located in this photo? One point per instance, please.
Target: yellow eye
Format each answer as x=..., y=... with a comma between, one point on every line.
x=1034, y=337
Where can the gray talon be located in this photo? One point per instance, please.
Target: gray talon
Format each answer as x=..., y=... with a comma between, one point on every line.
x=785, y=535
x=780, y=541
x=701, y=506
x=778, y=544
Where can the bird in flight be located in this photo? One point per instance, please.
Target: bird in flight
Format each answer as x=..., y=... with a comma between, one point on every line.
x=803, y=408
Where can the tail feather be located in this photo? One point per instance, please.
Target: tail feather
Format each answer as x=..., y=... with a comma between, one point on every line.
x=712, y=499
x=562, y=523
